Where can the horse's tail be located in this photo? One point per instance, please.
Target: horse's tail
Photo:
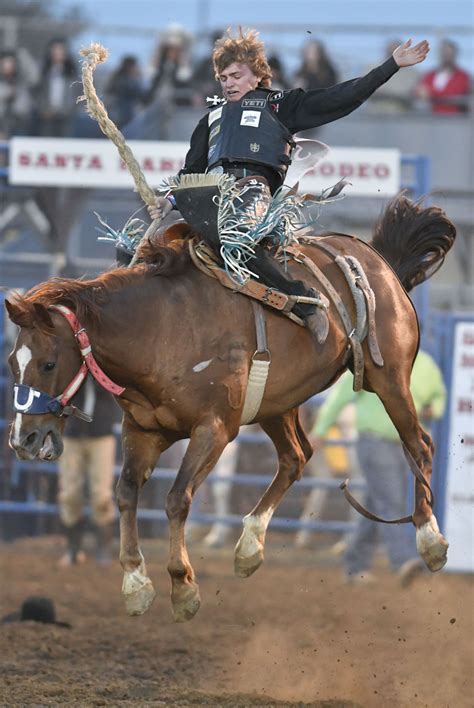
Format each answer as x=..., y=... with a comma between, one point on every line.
x=414, y=239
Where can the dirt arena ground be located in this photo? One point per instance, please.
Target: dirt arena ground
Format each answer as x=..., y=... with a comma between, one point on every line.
x=293, y=634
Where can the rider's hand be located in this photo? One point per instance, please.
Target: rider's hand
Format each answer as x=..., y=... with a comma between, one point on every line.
x=406, y=55
x=160, y=209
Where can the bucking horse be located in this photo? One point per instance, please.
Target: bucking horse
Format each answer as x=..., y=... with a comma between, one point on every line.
x=176, y=349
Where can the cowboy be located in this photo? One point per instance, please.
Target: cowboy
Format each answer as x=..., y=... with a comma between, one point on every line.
x=250, y=136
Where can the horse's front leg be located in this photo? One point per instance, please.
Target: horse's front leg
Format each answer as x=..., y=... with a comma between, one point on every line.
x=141, y=451
x=208, y=439
x=294, y=450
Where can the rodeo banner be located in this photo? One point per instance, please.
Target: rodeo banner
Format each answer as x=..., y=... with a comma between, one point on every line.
x=70, y=162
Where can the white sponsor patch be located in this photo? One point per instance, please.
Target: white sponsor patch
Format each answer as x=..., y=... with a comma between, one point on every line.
x=214, y=115
x=250, y=118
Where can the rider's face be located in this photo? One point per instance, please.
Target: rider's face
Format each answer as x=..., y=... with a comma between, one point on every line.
x=236, y=80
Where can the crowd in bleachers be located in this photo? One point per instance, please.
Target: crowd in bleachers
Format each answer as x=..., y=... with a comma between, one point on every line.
x=38, y=95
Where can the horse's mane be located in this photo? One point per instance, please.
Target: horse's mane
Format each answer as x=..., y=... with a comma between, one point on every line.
x=86, y=297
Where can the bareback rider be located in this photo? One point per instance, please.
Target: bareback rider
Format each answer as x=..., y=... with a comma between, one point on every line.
x=251, y=135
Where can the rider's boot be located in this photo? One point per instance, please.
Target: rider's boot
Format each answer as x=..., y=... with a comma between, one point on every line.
x=274, y=274
x=317, y=321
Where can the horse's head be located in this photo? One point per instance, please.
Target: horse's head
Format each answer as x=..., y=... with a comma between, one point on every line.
x=43, y=362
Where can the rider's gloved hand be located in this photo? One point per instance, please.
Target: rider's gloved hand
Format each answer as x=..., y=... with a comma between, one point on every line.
x=160, y=209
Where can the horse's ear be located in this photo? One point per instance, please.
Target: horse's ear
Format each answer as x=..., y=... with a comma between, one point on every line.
x=43, y=317
x=18, y=315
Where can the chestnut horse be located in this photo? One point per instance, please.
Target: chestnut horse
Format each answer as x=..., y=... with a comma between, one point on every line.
x=181, y=346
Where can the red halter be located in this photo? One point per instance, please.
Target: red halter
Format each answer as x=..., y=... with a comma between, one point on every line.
x=88, y=361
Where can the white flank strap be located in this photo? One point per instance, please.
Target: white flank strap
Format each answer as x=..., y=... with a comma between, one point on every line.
x=255, y=388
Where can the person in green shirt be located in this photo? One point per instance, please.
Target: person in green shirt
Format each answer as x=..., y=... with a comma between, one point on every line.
x=383, y=466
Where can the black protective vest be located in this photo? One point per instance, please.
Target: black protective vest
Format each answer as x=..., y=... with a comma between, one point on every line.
x=248, y=131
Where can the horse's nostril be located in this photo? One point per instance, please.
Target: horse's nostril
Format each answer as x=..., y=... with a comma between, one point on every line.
x=31, y=440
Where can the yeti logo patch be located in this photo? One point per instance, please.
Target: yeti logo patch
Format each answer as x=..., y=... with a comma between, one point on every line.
x=254, y=103
x=255, y=147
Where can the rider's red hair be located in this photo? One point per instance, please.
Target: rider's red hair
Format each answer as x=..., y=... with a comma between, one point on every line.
x=246, y=48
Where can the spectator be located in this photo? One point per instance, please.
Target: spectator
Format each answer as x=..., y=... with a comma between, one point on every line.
x=172, y=79
x=89, y=455
x=398, y=95
x=57, y=91
x=317, y=70
x=279, y=81
x=448, y=85
x=383, y=467
x=204, y=81
x=17, y=77
x=125, y=91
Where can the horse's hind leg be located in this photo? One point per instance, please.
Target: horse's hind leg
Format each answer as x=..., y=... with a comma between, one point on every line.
x=394, y=392
x=293, y=451
x=141, y=451
x=208, y=439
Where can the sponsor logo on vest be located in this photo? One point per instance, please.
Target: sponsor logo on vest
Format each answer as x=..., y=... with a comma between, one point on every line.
x=250, y=118
x=255, y=147
x=214, y=132
x=254, y=103
x=276, y=96
x=214, y=115
x=211, y=152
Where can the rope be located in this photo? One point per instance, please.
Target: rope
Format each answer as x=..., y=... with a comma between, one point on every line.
x=93, y=55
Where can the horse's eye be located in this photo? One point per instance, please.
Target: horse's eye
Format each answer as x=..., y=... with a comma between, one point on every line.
x=49, y=366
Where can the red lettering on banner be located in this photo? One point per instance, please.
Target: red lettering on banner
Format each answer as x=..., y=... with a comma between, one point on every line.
x=60, y=161
x=166, y=165
x=148, y=164
x=24, y=159
x=364, y=170
x=42, y=160
x=327, y=169
x=468, y=338
x=95, y=163
x=467, y=360
x=382, y=171
x=346, y=169
x=465, y=405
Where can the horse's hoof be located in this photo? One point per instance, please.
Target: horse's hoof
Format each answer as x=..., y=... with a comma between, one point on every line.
x=432, y=546
x=186, y=602
x=244, y=567
x=138, y=592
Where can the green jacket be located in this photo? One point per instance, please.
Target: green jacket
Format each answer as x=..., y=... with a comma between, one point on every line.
x=426, y=386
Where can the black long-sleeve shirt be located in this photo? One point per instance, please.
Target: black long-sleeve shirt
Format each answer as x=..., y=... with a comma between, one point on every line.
x=301, y=110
